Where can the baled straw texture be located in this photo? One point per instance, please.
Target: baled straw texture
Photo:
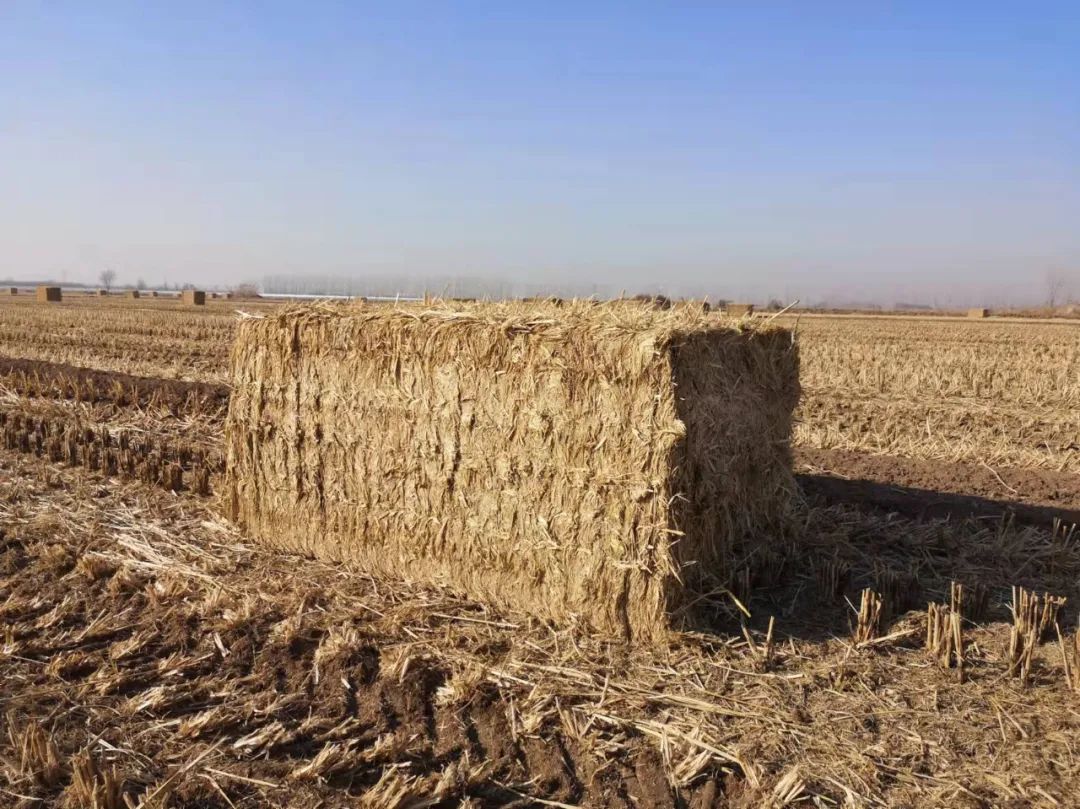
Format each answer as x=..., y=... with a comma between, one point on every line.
x=587, y=462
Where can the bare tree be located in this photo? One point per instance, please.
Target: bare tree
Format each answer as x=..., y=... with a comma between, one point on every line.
x=107, y=277
x=1056, y=288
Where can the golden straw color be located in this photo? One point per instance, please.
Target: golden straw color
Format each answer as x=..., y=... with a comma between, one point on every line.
x=601, y=463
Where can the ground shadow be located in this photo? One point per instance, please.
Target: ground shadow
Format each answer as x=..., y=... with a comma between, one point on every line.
x=927, y=503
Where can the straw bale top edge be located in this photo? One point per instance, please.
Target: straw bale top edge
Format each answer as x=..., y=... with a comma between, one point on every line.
x=628, y=318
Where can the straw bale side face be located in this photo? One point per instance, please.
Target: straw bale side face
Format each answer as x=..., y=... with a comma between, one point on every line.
x=735, y=392
x=531, y=462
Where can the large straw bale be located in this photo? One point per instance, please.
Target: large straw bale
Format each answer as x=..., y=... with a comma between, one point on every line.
x=978, y=313
x=599, y=463
x=193, y=297
x=47, y=294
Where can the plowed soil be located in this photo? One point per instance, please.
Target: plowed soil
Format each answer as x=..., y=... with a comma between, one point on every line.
x=223, y=685
x=36, y=378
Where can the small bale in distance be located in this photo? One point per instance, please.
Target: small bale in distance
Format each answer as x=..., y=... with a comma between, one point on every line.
x=153, y=293
x=739, y=309
x=132, y=293
x=193, y=297
x=102, y=293
x=978, y=313
x=655, y=301
x=13, y=291
x=46, y=294
x=595, y=463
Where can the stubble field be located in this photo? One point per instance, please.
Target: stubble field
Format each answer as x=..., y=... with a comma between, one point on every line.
x=152, y=656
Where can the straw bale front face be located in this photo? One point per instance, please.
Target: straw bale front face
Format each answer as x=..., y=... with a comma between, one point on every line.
x=584, y=462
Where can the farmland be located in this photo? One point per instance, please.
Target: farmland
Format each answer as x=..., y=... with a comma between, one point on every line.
x=152, y=652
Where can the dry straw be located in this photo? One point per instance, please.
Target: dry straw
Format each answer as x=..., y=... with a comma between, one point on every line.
x=594, y=462
x=944, y=630
x=1032, y=618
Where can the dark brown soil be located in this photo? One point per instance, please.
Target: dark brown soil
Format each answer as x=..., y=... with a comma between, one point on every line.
x=935, y=489
x=142, y=638
x=133, y=662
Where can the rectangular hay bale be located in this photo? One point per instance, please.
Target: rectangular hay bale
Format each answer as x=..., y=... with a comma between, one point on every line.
x=49, y=294
x=132, y=293
x=739, y=309
x=978, y=313
x=193, y=297
x=594, y=463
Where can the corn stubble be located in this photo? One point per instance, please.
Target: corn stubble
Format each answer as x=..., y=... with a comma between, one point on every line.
x=944, y=631
x=1033, y=616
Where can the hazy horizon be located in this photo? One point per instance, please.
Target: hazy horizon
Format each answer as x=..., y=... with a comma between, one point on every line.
x=929, y=154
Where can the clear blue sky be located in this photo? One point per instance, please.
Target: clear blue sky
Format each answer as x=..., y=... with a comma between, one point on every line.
x=805, y=149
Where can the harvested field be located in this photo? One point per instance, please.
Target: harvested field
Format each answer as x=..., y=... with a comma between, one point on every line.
x=44, y=380
x=148, y=337
x=994, y=391
x=151, y=651
x=135, y=455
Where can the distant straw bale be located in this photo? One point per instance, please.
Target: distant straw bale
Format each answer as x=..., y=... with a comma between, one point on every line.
x=193, y=297
x=599, y=463
x=132, y=293
x=739, y=309
x=657, y=301
x=978, y=313
x=13, y=290
x=47, y=294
